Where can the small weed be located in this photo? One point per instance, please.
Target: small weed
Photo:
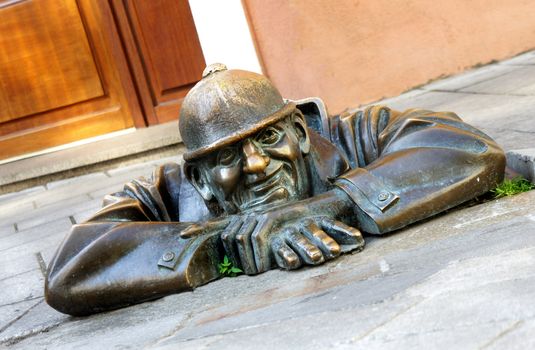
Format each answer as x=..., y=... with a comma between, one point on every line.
x=512, y=187
x=227, y=269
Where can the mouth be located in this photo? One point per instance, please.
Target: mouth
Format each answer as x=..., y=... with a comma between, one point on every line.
x=263, y=181
x=274, y=188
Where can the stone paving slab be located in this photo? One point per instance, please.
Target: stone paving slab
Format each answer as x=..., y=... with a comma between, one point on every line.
x=7, y=197
x=415, y=287
x=527, y=58
x=469, y=78
x=523, y=162
x=518, y=81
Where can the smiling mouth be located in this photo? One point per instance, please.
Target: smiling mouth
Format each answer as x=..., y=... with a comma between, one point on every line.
x=266, y=181
x=269, y=190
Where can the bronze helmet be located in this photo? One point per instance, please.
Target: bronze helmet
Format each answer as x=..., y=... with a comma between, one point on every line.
x=227, y=106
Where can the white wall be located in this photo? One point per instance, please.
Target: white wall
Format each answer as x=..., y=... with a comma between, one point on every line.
x=224, y=34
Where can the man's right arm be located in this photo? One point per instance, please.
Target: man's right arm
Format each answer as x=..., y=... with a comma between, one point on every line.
x=131, y=251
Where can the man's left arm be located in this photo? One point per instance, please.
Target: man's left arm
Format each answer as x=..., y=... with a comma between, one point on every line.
x=412, y=165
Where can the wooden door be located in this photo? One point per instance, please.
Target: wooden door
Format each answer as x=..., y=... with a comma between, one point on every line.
x=63, y=74
x=164, y=53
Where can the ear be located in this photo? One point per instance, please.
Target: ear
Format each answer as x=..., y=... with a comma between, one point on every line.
x=194, y=176
x=301, y=130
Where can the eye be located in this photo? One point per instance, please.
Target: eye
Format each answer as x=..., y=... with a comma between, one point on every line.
x=226, y=156
x=269, y=136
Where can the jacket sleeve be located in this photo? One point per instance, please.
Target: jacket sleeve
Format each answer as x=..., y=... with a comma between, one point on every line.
x=131, y=251
x=412, y=165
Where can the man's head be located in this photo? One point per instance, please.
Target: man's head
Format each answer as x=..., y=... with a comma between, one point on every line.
x=245, y=144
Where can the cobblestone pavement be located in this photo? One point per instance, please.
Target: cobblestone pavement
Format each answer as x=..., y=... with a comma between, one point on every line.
x=465, y=279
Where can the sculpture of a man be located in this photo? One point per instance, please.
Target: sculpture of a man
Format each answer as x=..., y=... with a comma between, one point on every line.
x=271, y=182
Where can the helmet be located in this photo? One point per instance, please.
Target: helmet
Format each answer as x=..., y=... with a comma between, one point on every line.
x=227, y=106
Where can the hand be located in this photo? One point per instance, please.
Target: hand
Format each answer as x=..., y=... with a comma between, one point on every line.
x=288, y=236
x=303, y=232
x=312, y=241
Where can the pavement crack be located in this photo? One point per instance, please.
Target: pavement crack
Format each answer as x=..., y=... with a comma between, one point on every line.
x=21, y=301
x=175, y=330
x=15, y=275
x=501, y=334
x=41, y=262
x=7, y=325
x=20, y=337
x=373, y=329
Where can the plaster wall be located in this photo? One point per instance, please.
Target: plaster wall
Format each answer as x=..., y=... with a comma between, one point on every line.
x=224, y=34
x=353, y=52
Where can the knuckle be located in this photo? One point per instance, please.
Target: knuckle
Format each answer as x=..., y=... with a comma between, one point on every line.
x=240, y=238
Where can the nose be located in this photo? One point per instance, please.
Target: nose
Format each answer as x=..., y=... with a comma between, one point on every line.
x=254, y=161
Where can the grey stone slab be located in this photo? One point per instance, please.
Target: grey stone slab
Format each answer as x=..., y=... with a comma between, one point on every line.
x=10, y=313
x=49, y=213
x=21, y=264
x=465, y=299
x=8, y=197
x=469, y=78
x=65, y=193
x=523, y=162
x=457, y=337
x=75, y=182
x=47, y=253
x=45, y=244
x=6, y=229
x=99, y=194
x=61, y=191
x=120, y=176
x=86, y=214
x=519, y=336
x=22, y=287
x=524, y=59
x=519, y=81
x=33, y=240
x=37, y=319
x=135, y=327
x=62, y=210
x=59, y=197
x=323, y=330
x=9, y=213
x=133, y=170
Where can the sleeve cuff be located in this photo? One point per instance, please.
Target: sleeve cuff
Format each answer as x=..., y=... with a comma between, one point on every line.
x=367, y=191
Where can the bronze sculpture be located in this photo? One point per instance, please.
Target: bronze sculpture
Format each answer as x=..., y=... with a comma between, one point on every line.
x=271, y=182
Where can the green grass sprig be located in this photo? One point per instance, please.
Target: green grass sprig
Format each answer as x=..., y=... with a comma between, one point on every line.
x=226, y=268
x=512, y=187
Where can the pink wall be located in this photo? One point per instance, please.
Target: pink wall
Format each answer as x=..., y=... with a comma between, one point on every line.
x=351, y=52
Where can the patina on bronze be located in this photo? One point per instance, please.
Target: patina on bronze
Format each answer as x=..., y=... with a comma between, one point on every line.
x=270, y=183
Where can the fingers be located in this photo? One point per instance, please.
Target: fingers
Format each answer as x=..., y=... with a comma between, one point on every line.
x=348, y=237
x=228, y=237
x=205, y=227
x=324, y=242
x=285, y=257
x=309, y=253
x=260, y=244
x=244, y=245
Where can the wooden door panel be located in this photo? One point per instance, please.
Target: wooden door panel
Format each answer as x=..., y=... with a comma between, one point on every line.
x=164, y=52
x=167, y=36
x=63, y=74
x=45, y=58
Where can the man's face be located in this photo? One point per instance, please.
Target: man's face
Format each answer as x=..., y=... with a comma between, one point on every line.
x=261, y=171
